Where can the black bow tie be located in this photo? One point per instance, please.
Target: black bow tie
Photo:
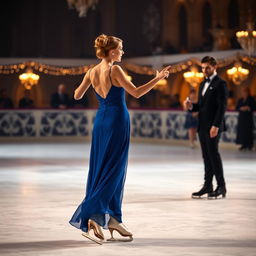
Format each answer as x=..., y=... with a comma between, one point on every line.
x=207, y=80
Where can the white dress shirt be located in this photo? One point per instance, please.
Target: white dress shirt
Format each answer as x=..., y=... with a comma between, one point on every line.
x=206, y=85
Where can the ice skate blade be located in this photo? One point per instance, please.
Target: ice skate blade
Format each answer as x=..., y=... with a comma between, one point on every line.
x=112, y=239
x=216, y=197
x=91, y=238
x=199, y=197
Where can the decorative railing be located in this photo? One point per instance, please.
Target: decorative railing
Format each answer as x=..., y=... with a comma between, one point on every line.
x=145, y=124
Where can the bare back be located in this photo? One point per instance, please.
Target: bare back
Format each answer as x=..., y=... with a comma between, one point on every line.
x=100, y=77
x=103, y=76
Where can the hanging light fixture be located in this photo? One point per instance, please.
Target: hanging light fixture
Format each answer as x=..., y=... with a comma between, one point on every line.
x=82, y=6
x=193, y=77
x=247, y=39
x=29, y=79
x=237, y=74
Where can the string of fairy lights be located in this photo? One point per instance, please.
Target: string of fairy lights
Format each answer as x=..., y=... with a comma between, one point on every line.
x=143, y=70
x=44, y=68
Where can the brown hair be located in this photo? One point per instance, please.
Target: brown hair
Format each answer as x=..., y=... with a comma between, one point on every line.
x=210, y=60
x=103, y=44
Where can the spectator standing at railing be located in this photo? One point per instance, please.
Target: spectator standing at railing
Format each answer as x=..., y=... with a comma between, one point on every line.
x=26, y=101
x=60, y=99
x=5, y=101
x=192, y=120
x=175, y=101
x=231, y=105
x=246, y=105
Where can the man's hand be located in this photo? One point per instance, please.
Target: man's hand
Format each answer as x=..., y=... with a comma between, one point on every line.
x=214, y=131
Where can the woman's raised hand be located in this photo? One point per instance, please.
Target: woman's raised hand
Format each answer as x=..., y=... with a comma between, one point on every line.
x=163, y=73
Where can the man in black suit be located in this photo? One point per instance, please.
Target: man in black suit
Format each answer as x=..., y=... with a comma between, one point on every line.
x=211, y=106
x=26, y=101
x=60, y=99
x=5, y=101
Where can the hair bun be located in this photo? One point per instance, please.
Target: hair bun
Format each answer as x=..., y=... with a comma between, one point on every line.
x=103, y=44
x=101, y=41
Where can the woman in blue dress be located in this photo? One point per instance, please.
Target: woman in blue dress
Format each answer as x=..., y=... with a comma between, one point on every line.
x=110, y=141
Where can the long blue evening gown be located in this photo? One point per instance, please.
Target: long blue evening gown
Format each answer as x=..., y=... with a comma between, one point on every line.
x=108, y=162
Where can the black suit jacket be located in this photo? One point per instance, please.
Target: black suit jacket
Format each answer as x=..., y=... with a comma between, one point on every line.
x=212, y=105
x=56, y=100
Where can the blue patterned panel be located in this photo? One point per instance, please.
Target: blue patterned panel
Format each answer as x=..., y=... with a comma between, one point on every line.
x=64, y=124
x=147, y=125
x=17, y=124
x=231, y=124
x=175, y=126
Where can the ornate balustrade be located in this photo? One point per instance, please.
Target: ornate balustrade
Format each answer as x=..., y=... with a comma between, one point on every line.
x=146, y=125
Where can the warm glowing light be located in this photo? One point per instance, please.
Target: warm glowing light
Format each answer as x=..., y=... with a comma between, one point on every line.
x=29, y=79
x=162, y=82
x=247, y=39
x=237, y=74
x=193, y=77
x=161, y=85
x=128, y=76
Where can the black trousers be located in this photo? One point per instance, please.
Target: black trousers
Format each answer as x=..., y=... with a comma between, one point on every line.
x=212, y=160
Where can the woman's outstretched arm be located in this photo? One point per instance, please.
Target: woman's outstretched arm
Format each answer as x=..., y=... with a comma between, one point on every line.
x=119, y=76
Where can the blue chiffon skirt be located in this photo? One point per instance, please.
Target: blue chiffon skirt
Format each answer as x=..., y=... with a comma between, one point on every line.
x=108, y=162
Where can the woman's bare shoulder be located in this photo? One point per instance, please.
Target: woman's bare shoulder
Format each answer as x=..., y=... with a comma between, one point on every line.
x=116, y=67
x=94, y=68
x=116, y=70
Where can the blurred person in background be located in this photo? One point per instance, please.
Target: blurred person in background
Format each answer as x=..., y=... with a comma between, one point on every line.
x=26, y=101
x=60, y=99
x=5, y=101
x=175, y=101
x=246, y=105
x=231, y=105
x=192, y=120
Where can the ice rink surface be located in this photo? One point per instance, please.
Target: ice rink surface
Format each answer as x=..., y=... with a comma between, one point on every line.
x=41, y=184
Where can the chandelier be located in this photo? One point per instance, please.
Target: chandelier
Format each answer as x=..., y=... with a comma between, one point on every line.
x=193, y=77
x=237, y=74
x=29, y=79
x=247, y=39
x=82, y=6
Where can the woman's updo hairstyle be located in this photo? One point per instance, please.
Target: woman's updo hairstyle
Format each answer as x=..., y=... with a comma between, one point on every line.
x=103, y=44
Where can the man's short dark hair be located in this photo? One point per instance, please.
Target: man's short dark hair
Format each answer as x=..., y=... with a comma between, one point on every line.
x=210, y=60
